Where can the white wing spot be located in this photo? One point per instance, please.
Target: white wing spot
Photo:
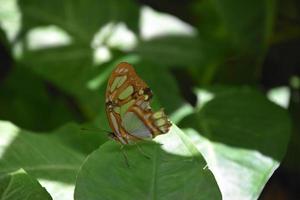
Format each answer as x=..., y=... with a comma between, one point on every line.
x=121, y=70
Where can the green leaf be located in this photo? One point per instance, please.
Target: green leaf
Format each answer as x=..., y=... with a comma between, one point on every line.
x=81, y=19
x=251, y=22
x=183, y=50
x=280, y=95
x=180, y=51
x=70, y=68
x=243, y=137
x=83, y=139
x=27, y=102
x=171, y=171
x=246, y=27
x=71, y=65
x=156, y=24
x=45, y=158
x=61, y=65
x=19, y=185
x=171, y=42
x=291, y=161
x=10, y=18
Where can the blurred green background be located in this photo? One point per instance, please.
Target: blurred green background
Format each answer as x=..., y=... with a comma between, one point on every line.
x=56, y=56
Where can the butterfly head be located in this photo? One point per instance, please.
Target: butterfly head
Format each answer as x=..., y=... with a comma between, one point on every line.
x=112, y=136
x=117, y=138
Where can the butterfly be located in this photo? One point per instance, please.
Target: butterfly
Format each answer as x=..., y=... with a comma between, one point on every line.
x=128, y=107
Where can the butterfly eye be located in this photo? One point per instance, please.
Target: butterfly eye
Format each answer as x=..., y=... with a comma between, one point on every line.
x=148, y=91
x=109, y=104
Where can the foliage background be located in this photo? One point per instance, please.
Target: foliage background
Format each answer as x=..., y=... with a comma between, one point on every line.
x=226, y=72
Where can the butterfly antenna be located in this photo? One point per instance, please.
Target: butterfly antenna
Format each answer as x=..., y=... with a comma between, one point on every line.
x=95, y=130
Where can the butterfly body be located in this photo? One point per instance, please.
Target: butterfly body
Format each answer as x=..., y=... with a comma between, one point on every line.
x=128, y=107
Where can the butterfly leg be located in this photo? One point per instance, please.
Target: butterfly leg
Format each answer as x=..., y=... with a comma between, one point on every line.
x=124, y=155
x=143, y=152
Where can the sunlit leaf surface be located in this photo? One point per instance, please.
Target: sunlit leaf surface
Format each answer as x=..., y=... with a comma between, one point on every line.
x=173, y=170
x=73, y=15
x=157, y=24
x=55, y=165
x=20, y=186
x=10, y=18
x=243, y=137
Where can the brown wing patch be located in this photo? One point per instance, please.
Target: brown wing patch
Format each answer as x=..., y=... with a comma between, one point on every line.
x=125, y=92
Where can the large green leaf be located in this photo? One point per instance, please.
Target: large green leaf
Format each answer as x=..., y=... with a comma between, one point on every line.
x=81, y=19
x=20, y=186
x=243, y=137
x=175, y=170
x=55, y=165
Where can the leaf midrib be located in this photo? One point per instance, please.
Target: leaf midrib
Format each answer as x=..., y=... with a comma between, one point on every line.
x=153, y=188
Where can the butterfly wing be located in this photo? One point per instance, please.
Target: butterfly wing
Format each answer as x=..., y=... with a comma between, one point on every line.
x=124, y=85
x=128, y=107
